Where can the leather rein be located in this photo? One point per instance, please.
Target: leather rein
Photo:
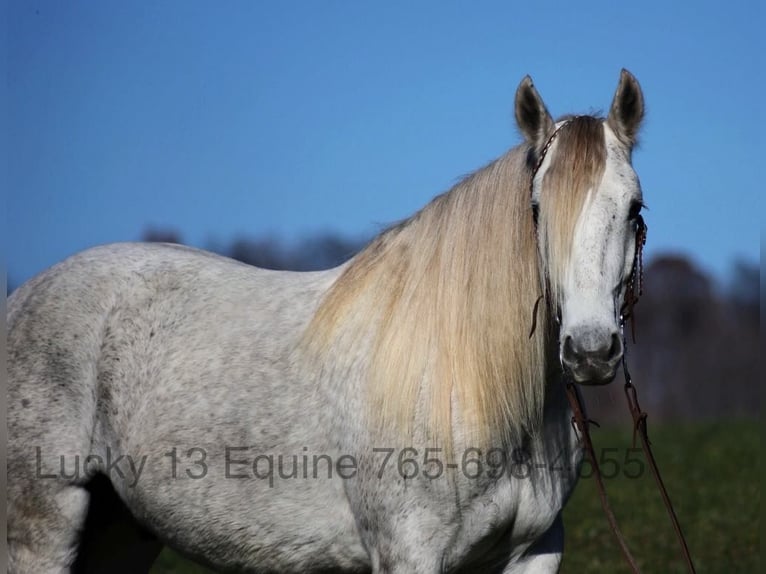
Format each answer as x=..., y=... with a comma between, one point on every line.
x=580, y=421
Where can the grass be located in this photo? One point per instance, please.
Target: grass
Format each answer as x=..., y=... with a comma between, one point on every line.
x=712, y=472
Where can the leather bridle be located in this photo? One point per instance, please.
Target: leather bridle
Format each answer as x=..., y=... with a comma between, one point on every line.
x=633, y=291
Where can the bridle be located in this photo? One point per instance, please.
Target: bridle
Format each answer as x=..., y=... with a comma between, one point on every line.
x=633, y=291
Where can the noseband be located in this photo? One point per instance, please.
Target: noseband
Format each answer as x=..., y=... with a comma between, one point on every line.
x=633, y=291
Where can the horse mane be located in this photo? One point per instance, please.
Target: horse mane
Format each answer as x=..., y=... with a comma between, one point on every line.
x=445, y=298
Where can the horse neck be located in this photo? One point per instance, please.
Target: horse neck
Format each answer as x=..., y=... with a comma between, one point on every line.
x=445, y=300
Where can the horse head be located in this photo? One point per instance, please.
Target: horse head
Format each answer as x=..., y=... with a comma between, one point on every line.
x=586, y=201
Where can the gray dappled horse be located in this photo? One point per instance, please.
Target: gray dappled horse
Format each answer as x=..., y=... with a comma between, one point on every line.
x=391, y=415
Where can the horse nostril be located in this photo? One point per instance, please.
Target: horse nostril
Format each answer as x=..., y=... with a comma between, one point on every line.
x=608, y=351
x=615, y=350
x=568, y=352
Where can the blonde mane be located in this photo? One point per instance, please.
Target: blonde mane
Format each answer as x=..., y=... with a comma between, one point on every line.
x=445, y=299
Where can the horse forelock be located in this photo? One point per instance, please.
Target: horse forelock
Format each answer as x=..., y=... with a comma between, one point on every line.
x=573, y=173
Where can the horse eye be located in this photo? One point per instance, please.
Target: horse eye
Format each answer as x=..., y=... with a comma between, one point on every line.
x=635, y=210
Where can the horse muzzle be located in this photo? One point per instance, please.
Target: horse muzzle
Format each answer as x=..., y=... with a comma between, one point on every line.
x=591, y=360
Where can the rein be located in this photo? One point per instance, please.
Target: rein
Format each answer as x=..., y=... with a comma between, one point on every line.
x=581, y=423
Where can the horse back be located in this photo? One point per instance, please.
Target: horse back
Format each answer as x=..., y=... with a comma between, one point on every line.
x=97, y=336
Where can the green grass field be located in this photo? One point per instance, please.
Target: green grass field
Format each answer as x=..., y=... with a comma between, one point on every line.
x=712, y=472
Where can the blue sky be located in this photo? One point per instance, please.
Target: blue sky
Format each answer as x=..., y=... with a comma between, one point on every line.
x=237, y=119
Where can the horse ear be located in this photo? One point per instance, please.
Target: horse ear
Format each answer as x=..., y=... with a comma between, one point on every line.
x=627, y=109
x=532, y=116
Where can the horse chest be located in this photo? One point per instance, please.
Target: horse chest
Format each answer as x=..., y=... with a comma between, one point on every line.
x=505, y=519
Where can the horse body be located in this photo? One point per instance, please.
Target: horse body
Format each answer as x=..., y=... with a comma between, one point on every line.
x=172, y=363
x=230, y=407
x=193, y=351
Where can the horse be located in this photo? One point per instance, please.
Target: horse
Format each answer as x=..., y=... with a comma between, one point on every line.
x=403, y=412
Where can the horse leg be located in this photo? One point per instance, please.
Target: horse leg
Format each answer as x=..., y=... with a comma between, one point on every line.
x=544, y=555
x=55, y=527
x=112, y=541
x=44, y=519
